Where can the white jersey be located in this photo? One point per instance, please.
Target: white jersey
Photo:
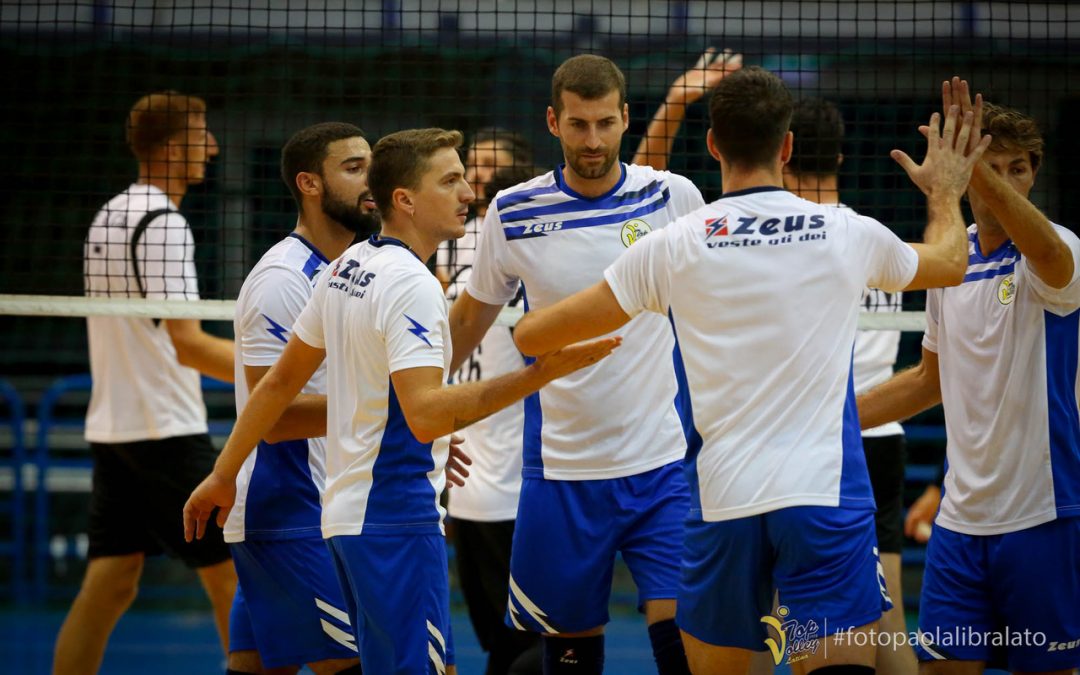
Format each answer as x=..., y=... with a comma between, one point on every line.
x=140, y=391
x=377, y=310
x=618, y=418
x=494, y=443
x=763, y=289
x=876, y=351
x=279, y=487
x=1007, y=355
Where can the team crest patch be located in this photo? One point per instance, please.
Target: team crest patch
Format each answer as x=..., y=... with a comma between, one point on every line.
x=632, y=230
x=1007, y=290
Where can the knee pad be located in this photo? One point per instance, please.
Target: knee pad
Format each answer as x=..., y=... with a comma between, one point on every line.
x=573, y=656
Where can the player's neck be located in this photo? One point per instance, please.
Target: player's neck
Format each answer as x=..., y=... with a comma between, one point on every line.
x=592, y=187
x=157, y=174
x=817, y=189
x=989, y=235
x=734, y=179
x=324, y=234
x=407, y=234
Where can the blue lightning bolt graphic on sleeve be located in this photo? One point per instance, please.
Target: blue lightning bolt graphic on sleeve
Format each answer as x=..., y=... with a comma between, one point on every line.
x=276, y=329
x=417, y=329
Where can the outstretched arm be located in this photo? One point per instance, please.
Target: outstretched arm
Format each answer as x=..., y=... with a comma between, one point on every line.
x=655, y=148
x=904, y=395
x=433, y=410
x=584, y=315
x=1047, y=255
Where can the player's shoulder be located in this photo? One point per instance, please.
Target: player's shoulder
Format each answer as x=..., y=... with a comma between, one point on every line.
x=525, y=193
x=638, y=175
x=138, y=200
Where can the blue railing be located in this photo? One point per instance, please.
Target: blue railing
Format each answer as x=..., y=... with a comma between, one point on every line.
x=16, y=548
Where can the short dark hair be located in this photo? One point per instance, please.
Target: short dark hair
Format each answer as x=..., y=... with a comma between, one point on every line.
x=1012, y=129
x=306, y=151
x=590, y=77
x=157, y=118
x=510, y=141
x=750, y=112
x=819, y=137
x=401, y=159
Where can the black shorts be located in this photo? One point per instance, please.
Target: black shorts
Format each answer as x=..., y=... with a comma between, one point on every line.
x=885, y=459
x=483, y=557
x=138, y=496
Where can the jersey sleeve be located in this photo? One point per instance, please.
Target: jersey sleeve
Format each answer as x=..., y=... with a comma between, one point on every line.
x=413, y=323
x=890, y=263
x=1065, y=300
x=275, y=298
x=933, y=317
x=309, y=325
x=166, y=255
x=490, y=282
x=640, y=278
x=685, y=196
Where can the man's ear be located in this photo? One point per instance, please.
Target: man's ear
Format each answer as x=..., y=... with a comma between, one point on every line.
x=625, y=116
x=402, y=201
x=710, y=143
x=309, y=183
x=552, y=122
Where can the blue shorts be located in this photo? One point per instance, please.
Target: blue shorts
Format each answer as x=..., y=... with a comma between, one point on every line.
x=398, y=594
x=288, y=606
x=1012, y=600
x=566, y=538
x=822, y=561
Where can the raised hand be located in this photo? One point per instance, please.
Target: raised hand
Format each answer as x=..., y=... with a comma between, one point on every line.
x=703, y=75
x=951, y=154
x=213, y=492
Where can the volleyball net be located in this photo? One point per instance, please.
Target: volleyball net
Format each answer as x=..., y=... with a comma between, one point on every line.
x=268, y=68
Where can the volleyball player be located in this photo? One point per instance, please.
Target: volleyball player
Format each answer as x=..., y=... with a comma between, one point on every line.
x=1000, y=354
x=146, y=423
x=289, y=609
x=378, y=317
x=603, y=449
x=764, y=291
x=812, y=174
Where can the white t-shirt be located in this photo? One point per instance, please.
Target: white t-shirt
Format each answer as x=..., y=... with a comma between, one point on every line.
x=1007, y=355
x=490, y=494
x=375, y=311
x=764, y=291
x=140, y=391
x=617, y=418
x=279, y=486
x=876, y=351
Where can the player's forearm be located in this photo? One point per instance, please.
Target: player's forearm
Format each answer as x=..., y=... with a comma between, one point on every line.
x=943, y=254
x=264, y=408
x=655, y=147
x=1026, y=226
x=305, y=417
x=208, y=354
x=445, y=410
x=906, y=394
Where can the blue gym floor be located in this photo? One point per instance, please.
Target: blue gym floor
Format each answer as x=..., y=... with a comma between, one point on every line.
x=184, y=643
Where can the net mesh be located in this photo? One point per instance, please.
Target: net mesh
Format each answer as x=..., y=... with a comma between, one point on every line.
x=268, y=68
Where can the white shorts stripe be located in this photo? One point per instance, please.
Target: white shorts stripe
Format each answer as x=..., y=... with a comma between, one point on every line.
x=437, y=635
x=339, y=636
x=925, y=643
x=535, y=612
x=436, y=660
x=333, y=611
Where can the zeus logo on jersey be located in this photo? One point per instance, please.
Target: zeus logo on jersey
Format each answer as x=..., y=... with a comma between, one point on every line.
x=772, y=230
x=540, y=229
x=346, y=277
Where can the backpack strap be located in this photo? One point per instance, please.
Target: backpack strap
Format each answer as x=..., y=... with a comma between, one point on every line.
x=140, y=228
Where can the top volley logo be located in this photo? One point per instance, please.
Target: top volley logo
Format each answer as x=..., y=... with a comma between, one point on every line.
x=716, y=227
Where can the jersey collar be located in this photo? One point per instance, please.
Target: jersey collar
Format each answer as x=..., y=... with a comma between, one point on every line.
x=561, y=182
x=752, y=191
x=379, y=241
x=311, y=246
